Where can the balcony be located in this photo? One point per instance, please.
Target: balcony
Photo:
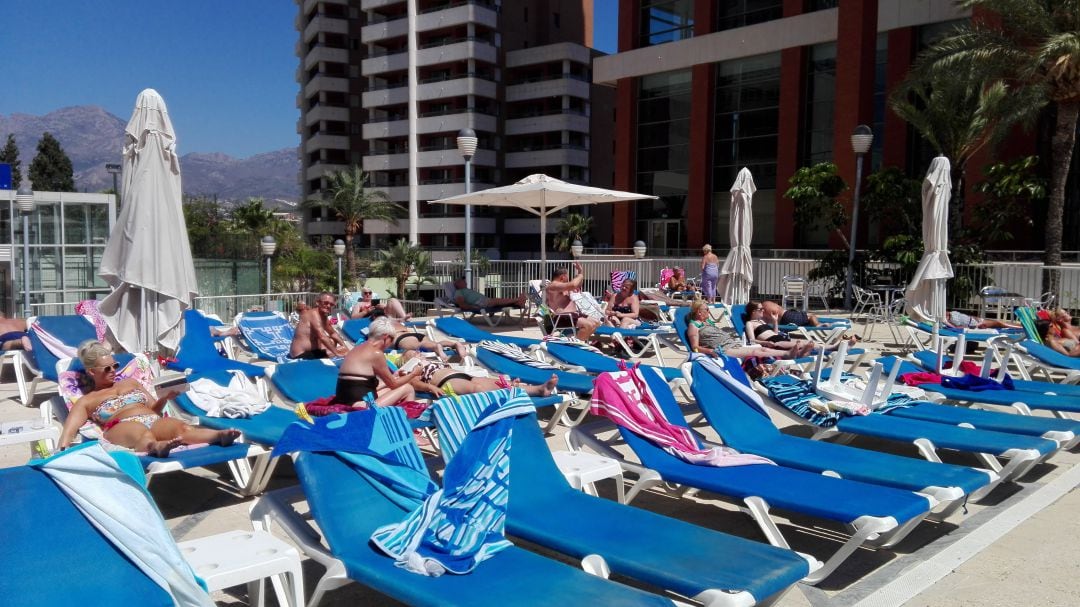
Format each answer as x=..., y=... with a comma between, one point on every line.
x=322, y=141
x=543, y=89
x=458, y=87
x=385, y=129
x=325, y=24
x=452, y=157
x=457, y=15
x=550, y=53
x=548, y=124
x=385, y=30
x=575, y=156
x=455, y=122
x=390, y=96
x=433, y=191
x=325, y=54
x=386, y=162
x=462, y=50
x=325, y=83
x=326, y=112
x=395, y=62
x=309, y=5
x=368, y=5
x=320, y=168
x=431, y=225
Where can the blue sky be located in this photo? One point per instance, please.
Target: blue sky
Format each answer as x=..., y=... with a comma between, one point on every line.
x=226, y=69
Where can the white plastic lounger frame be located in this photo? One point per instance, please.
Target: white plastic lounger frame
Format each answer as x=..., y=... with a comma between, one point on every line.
x=882, y=532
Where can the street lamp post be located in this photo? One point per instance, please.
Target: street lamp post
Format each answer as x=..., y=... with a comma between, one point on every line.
x=466, y=143
x=861, y=140
x=24, y=199
x=268, y=246
x=339, y=250
x=114, y=170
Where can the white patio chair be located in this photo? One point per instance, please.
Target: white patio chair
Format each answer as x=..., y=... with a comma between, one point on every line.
x=794, y=290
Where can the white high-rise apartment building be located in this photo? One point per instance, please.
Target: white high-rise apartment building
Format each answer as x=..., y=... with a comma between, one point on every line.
x=387, y=85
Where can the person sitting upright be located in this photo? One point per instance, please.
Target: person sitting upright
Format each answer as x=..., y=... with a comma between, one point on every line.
x=707, y=337
x=365, y=378
x=557, y=299
x=127, y=414
x=623, y=307
x=368, y=304
x=315, y=337
x=470, y=299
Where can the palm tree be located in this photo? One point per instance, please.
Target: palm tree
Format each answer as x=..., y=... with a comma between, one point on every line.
x=572, y=226
x=958, y=114
x=1032, y=45
x=401, y=260
x=349, y=199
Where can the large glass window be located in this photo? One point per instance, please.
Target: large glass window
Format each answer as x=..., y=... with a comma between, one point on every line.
x=820, y=101
x=747, y=114
x=666, y=21
x=663, y=155
x=737, y=13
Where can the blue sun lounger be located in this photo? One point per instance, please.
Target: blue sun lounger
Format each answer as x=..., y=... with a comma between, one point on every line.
x=736, y=413
x=1062, y=430
x=348, y=508
x=268, y=334
x=593, y=362
x=196, y=352
x=32, y=366
x=711, y=567
x=37, y=572
x=879, y=515
x=1023, y=452
x=571, y=382
x=462, y=329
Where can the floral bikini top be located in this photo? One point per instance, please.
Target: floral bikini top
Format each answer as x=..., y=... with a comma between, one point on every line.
x=109, y=407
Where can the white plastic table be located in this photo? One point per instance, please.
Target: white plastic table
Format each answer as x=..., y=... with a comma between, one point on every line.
x=29, y=431
x=247, y=557
x=582, y=469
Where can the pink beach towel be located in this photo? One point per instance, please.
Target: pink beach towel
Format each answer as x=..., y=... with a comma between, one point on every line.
x=625, y=398
x=89, y=309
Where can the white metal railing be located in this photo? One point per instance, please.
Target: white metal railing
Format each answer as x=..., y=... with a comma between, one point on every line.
x=228, y=306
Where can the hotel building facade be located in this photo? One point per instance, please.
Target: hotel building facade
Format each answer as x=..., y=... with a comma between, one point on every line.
x=387, y=85
x=704, y=88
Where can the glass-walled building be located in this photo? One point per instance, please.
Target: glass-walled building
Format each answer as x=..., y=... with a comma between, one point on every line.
x=771, y=85
x=66, y=237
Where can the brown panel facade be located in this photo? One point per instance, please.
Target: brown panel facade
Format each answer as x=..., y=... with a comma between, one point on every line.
x=855, y=55
x=901, y=53
x=788, y=140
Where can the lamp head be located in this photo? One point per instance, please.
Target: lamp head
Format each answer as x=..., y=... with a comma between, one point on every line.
x=466, y=143
x=112, y=168
x=861, y=139
x=24, y=199
x=639, y=249
x=268, y=245
x=576, y=248
x=339, y=247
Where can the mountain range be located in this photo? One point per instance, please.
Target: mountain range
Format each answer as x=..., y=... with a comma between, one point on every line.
x=92, y=137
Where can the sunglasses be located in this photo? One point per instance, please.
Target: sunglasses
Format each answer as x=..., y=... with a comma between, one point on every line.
x=112, y=367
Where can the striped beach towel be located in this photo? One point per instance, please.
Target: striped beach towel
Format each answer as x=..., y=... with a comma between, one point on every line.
x=620, y=276
x=796, y=395
x=627, y=399
x=462, y=525
x=514, y=353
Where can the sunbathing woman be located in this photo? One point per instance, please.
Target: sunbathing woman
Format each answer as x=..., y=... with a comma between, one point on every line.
x=759, y=331
x=706, y=337
x=1054, y=339
x=436, y=376
x=623, y=307
x=408, y=339
x=128, y=415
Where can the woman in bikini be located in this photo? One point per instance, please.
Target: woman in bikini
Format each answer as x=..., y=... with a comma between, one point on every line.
x=127, y=414
x=623, y=307
x=436, y=377
x=366, y=378
x=706, y=337
x=407, y=339
x=761, y=332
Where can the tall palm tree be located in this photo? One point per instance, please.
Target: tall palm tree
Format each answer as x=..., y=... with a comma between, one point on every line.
x=958, y=114
x=1032, y=45
x=347, y=196
x=401, y=260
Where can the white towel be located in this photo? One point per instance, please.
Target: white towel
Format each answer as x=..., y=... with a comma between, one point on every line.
x=241, y=398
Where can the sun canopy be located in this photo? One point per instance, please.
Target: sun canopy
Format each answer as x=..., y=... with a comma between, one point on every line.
x=926, y=292
x=147, y=260
x=542, y=195
x=737, y=273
